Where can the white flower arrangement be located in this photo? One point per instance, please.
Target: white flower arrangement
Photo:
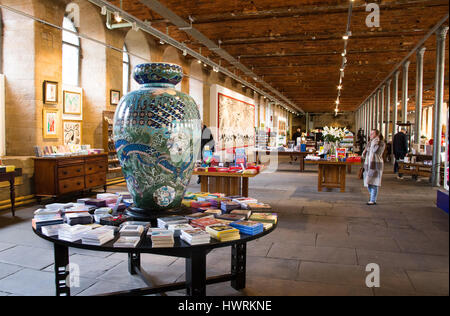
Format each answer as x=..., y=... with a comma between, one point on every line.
x=334, y=134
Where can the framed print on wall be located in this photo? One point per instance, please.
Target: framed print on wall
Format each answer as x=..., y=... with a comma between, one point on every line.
x=50, y=123
x=50, y=92
x=115, y=97
x=72, y=132
x=71, y=102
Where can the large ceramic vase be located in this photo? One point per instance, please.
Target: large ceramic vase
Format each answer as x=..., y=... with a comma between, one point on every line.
x=157, y=132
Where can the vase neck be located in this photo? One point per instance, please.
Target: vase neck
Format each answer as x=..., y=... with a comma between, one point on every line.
x=158, y=85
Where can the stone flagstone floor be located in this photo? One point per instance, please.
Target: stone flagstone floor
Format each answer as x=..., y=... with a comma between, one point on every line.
x=321, y=247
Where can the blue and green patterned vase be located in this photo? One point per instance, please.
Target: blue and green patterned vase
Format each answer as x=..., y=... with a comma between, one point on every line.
x=157, y=133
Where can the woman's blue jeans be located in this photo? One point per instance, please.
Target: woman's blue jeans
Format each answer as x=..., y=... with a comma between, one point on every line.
x=373, y=191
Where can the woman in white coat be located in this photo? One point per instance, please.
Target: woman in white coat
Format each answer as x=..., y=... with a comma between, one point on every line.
x=374, y=164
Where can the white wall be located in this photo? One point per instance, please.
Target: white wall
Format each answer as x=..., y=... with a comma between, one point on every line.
x=196, y=92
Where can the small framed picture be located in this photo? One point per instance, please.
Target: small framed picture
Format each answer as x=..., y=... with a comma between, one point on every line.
x=72, y=132
x=115, y=97
x=50, y=123
x=50, y=92
x=71, y=102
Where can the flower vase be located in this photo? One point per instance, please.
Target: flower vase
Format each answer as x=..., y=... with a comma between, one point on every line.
x=157, y=134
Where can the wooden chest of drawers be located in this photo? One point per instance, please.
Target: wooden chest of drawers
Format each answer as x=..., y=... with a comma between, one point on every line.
x=59, y=176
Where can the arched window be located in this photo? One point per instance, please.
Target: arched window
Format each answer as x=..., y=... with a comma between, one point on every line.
x=126, y=70
x=70, y=54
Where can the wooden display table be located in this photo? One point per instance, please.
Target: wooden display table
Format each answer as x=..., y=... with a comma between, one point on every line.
x=11, y=178
x=300, y=154
x=414, y=169
x=229, y=183
x=63, y=175
x=332, y=174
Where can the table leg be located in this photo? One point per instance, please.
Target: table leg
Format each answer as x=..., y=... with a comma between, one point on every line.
x=342, y=178
x=204, y=181
x=12, y=196
x=238, y=265
x=245, y=187
x=302, y=163
x=196, y=273
x=320, y=179
x=349, y=169
x=134, y=261
x=62, y=274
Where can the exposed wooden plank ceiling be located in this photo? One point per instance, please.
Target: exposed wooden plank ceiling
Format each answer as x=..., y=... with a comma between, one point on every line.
x=295, y=45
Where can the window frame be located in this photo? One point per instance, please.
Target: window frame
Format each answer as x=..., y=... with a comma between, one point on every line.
x=128, y=63
x=78, y=83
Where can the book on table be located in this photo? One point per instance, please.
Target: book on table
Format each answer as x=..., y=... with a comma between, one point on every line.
x=127, y=242
x=271, y=218
x=132, y=230
x=97, y=237
x=245, y=213
x=52, y=230
x=203, y=222
x=177, y=228
x=198, y=215
x=231, y=217
x=162, y=238
x=72, y=233
x=223, y=232
x=164, y=222
x=248, y=227
x=196, y=236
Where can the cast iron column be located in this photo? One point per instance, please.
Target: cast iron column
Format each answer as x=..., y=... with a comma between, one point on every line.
x=405, y=92
x=395, y=105
x=419, y=95
x=388, y=110
x=382, y=110
x=441, y=34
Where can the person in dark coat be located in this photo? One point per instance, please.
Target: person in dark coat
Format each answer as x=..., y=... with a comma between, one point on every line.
x=400, y=147
x=207, y=140
x=296, y=135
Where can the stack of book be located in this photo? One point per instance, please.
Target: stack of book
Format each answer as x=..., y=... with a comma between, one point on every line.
x=195, y=236
x=127, y=242
x=223, y=232
x=245, y=213
x=244, y=201
x=52, y=230
x=44, y=217
x=248, y=227
x=202, y=223
x=72, y=233
x=162, y=238
x=164, y=222
x=271, y=218
x=228, y=206
x=177, y=228
x=97, y=237
x=80, y=218
x=213, y=212
x=132, y=230
x=231, y=217
x=257, y=207
x=198, y=215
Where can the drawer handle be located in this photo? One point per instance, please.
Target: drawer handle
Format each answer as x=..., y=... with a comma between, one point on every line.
x=65, y=186
x=78, y=170
x=65, y=173
x=90, y=168
x=78, y=183
x=90, y=181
